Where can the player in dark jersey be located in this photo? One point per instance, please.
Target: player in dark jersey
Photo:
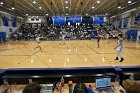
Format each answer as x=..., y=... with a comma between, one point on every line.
x=98, y=40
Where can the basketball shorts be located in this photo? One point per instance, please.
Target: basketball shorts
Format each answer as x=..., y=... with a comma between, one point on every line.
x=120, y=48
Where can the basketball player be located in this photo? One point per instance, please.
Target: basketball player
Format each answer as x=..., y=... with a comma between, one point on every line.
x=63, y=37
x=38, y=43
x=119, y=48
x=68, y=35
x=98, y=40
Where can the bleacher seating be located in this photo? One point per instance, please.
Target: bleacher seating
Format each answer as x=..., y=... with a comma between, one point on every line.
x=27, y=32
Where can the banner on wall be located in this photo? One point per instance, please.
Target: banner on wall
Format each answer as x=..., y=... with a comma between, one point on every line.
x=73, y=20
x=13, y=22
x=87, y=20
x=59, y=20
x=125, y=22
x=137, y=19
x=5, y=21
x=119, y=23
x=98, y=20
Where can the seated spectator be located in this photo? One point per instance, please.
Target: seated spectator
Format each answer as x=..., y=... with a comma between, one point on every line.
x=54, y=86
x=80, y=88
x=32, y=88
x=90, y=90
x=131, y=86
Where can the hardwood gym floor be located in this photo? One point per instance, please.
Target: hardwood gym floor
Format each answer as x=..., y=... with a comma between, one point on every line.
x=75, y=53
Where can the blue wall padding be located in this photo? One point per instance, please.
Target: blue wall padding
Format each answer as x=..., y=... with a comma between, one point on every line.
x=73, y=20
x=132, y=34
x=59, y=20
x=99, y=20
x=5, y=21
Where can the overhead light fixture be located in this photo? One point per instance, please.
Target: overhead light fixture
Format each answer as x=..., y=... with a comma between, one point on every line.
x=66, y=2
x=46, y=14
x=67, y=7
x=26, y=14
x=119, y=6
x=107, y=14
x=34, y=1
x=93, y=7
x=98, y=1
x=13, y=6
x=40, y=7
x=129, y=2
x=1, y=3
x=66, y=14
x=86, y=14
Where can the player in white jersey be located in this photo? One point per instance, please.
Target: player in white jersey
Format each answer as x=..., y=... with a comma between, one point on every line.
x=63, y=37
x=119, y=48
x=38, y=43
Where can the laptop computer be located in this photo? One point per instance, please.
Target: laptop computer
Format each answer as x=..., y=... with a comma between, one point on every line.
x=46, y=88
x=103, y=85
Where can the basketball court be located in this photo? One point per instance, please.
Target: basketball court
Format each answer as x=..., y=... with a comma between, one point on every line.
x=66, y=42
x=75, y=53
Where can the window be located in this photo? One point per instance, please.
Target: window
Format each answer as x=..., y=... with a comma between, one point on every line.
x=32, y=19
x=37, y=19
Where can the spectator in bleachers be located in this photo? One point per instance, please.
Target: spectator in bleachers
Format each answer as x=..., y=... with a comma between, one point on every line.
x=131, y=86
x=27, y=32
x=90, y=90
x=80, y=88
x=32, y=88
x=57, y=88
